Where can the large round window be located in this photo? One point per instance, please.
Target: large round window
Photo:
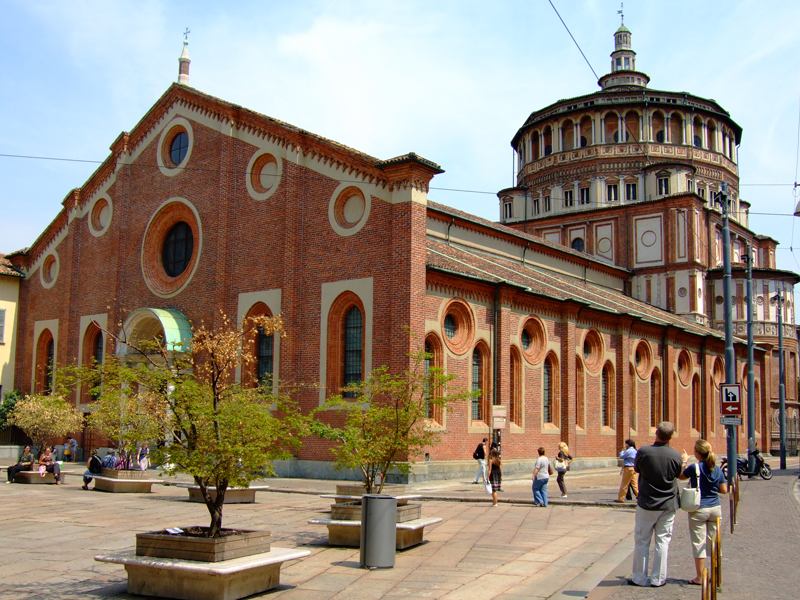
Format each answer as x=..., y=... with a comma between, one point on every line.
x=178, y=148
x=171, y=247
x=458, y=325
x=450, y=326
x=533, y=339
x=177, y=249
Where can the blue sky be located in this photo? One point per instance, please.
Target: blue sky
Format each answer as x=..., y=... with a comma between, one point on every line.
x=451, y=81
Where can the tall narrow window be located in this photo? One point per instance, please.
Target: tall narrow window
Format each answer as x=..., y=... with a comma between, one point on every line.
x=663, y=186
x=584, y=195
x=655, y=398
x=264, y=352
x=547, y=204
x=353, y=348
x=612, y=192
x=516, y=386
x=696, y=414
x=477, y=379
x=536, y=206
x=568, y=199
x=48, y=374
x=630, y=192
x=427, y=390
x=2, y=325
x=580, y=395
x=607, y=396
x=547, y=394
x=97, y=355
x=508, y=210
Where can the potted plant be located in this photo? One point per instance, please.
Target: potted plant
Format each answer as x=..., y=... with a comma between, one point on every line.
x=386, y=420
x=222, y=432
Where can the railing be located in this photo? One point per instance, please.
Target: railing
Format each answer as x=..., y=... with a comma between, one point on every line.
x=12, y=436
x=712, y=579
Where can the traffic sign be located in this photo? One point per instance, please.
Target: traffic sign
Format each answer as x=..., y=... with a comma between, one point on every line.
x=731, y=404
x=730, y=421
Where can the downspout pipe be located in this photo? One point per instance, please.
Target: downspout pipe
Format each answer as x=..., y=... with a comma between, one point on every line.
x=495, y=360
x=449, y=225
x=664, y=377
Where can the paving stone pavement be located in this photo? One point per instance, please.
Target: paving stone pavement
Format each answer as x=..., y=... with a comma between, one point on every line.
x=51, y=534
x=759, y=558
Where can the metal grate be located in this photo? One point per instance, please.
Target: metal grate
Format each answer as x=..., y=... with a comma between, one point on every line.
x=547, y=401
x=604, y=399
x=264, y=346
x=450, y=326
x=353, y=348
x=177, y=249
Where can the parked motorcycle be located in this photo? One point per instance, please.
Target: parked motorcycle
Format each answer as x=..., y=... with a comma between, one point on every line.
x=761, y=468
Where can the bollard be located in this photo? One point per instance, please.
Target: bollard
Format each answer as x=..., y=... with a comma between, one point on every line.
x=705, y=594
x=718, y=556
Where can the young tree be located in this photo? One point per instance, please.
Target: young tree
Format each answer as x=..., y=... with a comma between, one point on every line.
x=7, y=404
x=222, y=432
x=44, y=418
x=387, y=423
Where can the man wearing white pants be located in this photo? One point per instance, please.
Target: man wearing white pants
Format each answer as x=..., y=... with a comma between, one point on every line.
x=659, y=467
x=480, y=456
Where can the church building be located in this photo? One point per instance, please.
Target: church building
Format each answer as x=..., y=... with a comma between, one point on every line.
x=587, y=314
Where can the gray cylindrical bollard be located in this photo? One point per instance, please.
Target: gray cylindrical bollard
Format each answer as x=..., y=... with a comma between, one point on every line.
x=378, y=526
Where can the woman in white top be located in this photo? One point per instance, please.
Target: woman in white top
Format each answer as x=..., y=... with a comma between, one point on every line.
x=541, y=475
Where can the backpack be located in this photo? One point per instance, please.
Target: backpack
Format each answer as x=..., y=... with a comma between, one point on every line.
x=95, y=465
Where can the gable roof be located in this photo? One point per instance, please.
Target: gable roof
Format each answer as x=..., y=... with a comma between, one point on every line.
x=6, y=268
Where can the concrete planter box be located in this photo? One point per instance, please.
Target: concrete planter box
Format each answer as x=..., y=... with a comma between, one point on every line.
x=123, y=474
x=351, y=511
x=192, y=580
x=232, y=495
x=164, y=545
x=34, y=477
x=357, y=489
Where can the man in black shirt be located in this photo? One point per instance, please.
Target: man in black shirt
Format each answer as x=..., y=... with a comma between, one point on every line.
x=480, y=456
x=659, y=467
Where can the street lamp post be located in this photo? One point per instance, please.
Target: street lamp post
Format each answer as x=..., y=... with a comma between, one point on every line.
x=778, y=300
x=751, y=392
x=727, y=285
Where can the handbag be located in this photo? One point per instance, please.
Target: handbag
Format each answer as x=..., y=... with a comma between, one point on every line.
x=561, y=465
x=549, y=468
x=488, y=488
x=690, y=496
x=42, y=470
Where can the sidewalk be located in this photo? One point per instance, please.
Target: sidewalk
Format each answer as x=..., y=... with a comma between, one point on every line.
x=515, y=551
x=759, y=559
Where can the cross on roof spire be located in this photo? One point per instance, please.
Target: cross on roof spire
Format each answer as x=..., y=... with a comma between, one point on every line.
x=186, y=34
x=621, y=13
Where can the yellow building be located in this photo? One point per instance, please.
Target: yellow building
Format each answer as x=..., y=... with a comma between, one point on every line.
x=9, y=298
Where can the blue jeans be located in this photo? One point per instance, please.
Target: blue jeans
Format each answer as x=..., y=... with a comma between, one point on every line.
x=540, y=491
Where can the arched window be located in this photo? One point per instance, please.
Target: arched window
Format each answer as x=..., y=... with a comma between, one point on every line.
x=353, y=348
x=480, y=383
x=632, y=412
x=696, y=415
x=607, y=396
x=45, y=358
x=550, y=405
x=433, y=360
x=516, y=385
x=655, y=398
x=93, y=351
x=262, y=349
x=580, y=395
x=346, y=342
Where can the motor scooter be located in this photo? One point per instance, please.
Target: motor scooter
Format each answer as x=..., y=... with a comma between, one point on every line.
x=761, y=468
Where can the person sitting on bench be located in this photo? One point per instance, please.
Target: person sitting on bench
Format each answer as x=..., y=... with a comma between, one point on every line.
x=51, y=466
x=25, y=463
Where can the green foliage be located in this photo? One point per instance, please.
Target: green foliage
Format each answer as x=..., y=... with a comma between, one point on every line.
x=222, y=432
x=386, y=424
x=44, y=418
x=7, y=405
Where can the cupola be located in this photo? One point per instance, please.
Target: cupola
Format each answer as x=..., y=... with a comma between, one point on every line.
x=623, y=64
x=183, y=61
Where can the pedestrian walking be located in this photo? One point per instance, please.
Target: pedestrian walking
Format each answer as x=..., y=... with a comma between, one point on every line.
x=703, y=521
x=659, y=467
x=25, y=463
x=540, y=477
x=563, y=461
x=495, y=474
x=480, y=456
x=94, y=467
x=629, y=475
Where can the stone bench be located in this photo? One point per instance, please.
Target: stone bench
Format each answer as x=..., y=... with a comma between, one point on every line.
x=348, y=533
x=339, y=498
x=194, y=580
x=232, y=495
x=34, y=477
x=124, y=486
